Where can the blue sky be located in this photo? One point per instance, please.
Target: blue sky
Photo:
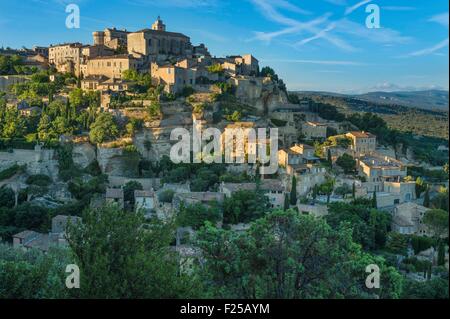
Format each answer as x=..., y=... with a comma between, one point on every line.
x=312, y=44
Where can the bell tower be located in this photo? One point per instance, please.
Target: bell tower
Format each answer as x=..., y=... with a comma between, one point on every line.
x=159, y=25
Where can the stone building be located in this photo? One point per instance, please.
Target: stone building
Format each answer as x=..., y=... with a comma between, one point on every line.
x=407, y=219
x=314, y=130
x=67, y=58
x=173, y=77
x=115, y=195
x=156, y=41
x=362, y=142
x=381, y=168
x=111, y=67
x=274, y=190
x=144, y=200
x=111, y=38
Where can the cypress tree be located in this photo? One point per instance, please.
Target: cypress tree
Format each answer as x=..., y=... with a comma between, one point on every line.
x=354, y=190
x=294, y=191
x=426, y=200
x=286, y=202
x=441, y=254
x=330, y=161
x=374, y=200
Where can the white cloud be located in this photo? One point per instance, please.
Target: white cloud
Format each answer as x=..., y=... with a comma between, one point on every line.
x=428, y=51
x=356, y=6
x=441, y=18
x=321, y=62
x=338, y=2
x=397, y=8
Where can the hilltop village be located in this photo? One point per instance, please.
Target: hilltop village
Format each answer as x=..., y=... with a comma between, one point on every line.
x=84, y=125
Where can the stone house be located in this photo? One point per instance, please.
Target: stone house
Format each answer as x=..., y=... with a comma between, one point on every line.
x=67, y=58
x=274, y=190
x=115, y=195
x=205, y=198
x=111, y=67
x=362, y=142
x=144, y=200
x=314, y=130
x=173, y=78
x=407, y=219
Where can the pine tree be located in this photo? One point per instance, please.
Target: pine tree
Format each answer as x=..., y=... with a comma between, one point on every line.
x=294, y=191
x=374, y=200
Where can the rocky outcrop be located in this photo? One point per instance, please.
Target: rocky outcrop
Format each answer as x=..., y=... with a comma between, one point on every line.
x=83, y=154
x=261, y=93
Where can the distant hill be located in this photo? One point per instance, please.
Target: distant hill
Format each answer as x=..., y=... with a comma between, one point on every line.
x=428, y=100
x=436, y=100
x=426, y=120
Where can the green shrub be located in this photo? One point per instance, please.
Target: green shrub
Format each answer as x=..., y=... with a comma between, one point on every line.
x=39, y=180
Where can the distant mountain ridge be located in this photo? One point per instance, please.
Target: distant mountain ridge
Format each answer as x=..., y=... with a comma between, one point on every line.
x=426, y=99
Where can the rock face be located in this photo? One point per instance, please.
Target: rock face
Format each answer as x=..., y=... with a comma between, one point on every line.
x=38, y=161
x=83, y=154
x=261, y=93
x=109, y=160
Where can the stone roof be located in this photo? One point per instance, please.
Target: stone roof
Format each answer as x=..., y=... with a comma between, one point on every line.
x=158, y=32
x=266, y=185
x=402, y=221
x=26, y=234
x=99, y=78
x=139, y=193
x=114, y=193
x=118, y=56
x=362, y=134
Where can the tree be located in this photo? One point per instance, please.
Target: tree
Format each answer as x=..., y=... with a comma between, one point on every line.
x=128, y=191
x=244, y=206
x=289, y=255
x=293, y=197
x=426, y=199
x=329, y=158
x=421, y=186
x=374, y=199
x=286, y=205
x=327, y=188
x=148, y=146
x=197, y=214
x=347, y=163
x=437, y=220
x=441, y=254
x=354, y=190
x=103, y=129
x=370, y=226
x=7, y=197
x=120, y=256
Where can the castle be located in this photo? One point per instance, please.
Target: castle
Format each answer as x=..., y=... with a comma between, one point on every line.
x=170, y=57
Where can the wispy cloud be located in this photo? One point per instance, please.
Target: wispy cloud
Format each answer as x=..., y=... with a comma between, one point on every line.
x=356, y=6
x=321, y=62
x=270, y=9
x=428, y=51
x=338, y=2
x=441, y=18
x=397, y=8
x=176, y=3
